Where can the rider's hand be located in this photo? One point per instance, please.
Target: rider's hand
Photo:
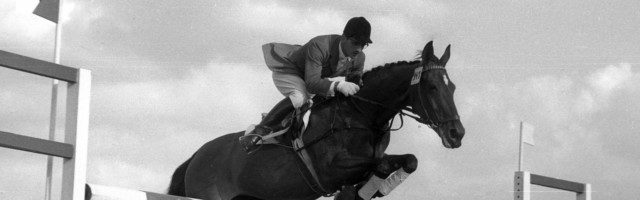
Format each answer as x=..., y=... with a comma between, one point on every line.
x=347, y=88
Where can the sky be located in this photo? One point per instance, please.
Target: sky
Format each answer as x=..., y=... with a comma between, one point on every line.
x=169, y=76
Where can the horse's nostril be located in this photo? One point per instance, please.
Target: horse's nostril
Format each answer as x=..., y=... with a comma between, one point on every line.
x=457, y=131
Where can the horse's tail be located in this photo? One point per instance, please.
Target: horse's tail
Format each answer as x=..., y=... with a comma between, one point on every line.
x=177, y=187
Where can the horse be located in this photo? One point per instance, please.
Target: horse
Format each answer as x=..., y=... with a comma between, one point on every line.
x=345, y=138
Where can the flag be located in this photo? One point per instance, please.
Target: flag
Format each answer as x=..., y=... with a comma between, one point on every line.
x=526, y=132
x=48, y=9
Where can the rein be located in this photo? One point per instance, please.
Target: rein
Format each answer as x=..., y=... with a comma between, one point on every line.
x=397, y=111
x=401, y=112
x=428, y=121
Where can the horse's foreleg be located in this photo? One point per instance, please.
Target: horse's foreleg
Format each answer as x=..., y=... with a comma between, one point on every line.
x=391, y=163
x=389, y=173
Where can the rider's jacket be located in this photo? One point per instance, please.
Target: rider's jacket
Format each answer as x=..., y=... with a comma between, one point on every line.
x=315, y=62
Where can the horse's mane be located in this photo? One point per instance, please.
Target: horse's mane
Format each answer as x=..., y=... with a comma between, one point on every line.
x=379, y=71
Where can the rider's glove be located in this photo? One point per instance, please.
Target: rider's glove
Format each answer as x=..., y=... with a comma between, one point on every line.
x=347, y=88
x=337, y=78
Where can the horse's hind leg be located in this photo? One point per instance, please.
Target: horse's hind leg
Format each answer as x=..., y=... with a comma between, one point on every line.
x=389, y=173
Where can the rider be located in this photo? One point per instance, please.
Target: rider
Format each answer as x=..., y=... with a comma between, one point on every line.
x=317, y=68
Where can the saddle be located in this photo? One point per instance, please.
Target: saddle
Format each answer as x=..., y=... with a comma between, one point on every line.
x=294, y=125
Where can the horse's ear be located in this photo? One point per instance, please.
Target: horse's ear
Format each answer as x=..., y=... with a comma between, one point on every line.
x=445, y=57
x=427, y=52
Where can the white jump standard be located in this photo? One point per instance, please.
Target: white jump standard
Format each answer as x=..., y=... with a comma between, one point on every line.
x=523, y=181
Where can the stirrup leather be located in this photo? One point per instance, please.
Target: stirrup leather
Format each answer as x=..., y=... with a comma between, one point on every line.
x=265, y=139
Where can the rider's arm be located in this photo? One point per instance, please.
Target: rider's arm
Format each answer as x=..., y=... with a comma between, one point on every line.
x=313, y=69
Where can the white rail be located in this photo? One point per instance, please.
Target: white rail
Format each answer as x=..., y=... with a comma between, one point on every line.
x=523, y=181
x=101, y=192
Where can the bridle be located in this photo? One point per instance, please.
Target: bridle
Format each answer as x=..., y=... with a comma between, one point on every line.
x=427, y=114
x=423, y=114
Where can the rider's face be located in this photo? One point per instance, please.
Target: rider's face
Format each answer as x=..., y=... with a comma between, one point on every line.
x=351, y=47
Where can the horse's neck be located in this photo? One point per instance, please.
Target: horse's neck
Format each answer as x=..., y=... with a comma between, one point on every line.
x=387, y=102
x=379, y=115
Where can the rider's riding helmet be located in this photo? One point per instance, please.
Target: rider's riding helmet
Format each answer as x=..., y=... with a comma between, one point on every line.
x=359, y=29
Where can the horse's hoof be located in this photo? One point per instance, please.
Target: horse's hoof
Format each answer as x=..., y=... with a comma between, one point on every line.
x=347, y=192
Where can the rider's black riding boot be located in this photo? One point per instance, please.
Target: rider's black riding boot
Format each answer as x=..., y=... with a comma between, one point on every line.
x=269, y=123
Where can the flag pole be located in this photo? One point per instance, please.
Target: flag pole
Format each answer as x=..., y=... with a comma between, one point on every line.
x=54, y=101
x=520, y=155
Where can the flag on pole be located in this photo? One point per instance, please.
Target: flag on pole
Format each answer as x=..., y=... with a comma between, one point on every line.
x=527, y=133
x=48, y=9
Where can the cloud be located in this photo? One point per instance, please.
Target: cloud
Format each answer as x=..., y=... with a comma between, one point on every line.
x=584, y=123
x=170, y=118
x=602, y=85
x=401, y=34
x=18, y=21
x=555, y=98
x=217, y=92
x=83, y=14
x=21, y=31
x=611, y=78
x=119, y=174
x=568, y=111
x=276, y=20
x=20, y=17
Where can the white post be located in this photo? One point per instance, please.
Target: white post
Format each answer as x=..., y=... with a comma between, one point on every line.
x=586, y=195
x=522, y=186
x=520, y=154
x=74, y=170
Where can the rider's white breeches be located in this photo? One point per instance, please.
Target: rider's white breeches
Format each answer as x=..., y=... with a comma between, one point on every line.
x=293, y=87
x=297, y=99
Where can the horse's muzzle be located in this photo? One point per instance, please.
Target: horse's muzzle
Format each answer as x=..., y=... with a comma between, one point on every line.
x=451, y=134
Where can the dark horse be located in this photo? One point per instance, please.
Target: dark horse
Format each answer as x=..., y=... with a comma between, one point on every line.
x=345, y=139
